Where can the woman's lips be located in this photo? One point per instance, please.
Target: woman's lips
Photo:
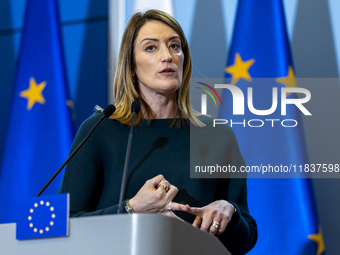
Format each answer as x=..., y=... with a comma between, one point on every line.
x=167, y=71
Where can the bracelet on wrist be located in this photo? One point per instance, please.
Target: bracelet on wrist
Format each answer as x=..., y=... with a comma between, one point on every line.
x=128, y=207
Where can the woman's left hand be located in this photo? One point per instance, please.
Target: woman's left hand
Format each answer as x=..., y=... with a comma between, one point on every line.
x=218, y=212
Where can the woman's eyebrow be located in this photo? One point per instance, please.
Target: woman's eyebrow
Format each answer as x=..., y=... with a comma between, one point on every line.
x=151, y=39
x=156, y=40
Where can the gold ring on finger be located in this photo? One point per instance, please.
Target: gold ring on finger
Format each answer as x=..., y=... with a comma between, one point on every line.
x=216, y=224
x=164, y=187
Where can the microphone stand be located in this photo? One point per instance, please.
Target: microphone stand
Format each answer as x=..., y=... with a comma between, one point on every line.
x=127, y=157
x=108, y=111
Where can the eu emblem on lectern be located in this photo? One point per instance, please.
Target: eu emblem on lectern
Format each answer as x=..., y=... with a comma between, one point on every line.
x=44, y=216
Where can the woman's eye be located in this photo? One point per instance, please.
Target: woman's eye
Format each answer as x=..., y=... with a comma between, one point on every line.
x=175, y=46
x=150, y=48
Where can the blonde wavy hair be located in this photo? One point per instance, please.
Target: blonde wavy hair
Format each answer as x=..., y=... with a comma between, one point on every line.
x=126, y=88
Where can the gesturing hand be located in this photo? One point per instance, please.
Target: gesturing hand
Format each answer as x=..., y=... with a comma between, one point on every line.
x=218, y=212
x=154, y=196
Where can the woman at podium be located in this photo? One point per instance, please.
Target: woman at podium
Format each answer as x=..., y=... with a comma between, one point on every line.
x=170, y=141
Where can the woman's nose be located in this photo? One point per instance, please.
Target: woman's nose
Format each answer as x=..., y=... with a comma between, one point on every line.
x=166, y=54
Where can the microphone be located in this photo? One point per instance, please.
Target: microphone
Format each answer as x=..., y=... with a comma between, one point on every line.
x=108, y=111
x=135, y=108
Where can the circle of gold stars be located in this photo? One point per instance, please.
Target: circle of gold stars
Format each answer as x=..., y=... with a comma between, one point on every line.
x=30, y=218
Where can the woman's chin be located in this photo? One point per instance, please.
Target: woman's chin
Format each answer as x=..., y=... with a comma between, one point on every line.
x=162, y=87
x=169, y=87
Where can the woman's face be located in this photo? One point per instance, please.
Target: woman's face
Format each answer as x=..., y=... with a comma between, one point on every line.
x=158, y=59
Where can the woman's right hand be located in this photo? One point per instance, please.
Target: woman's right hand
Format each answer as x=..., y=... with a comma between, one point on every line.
x=153, y=197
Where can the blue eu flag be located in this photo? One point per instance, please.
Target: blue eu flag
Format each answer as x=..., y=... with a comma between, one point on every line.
x=39, y=132
x=44, y=216
x=259, y=57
